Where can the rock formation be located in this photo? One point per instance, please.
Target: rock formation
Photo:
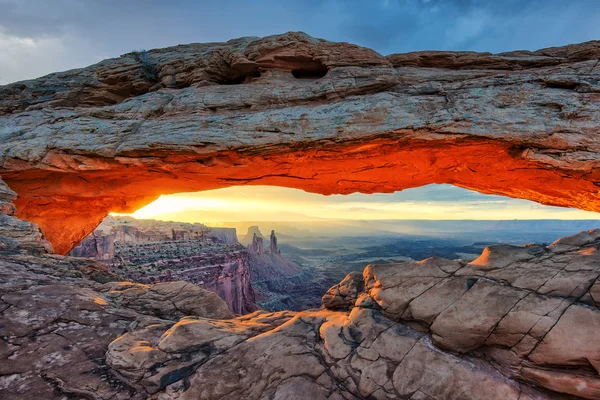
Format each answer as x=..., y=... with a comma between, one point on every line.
x=100, y=243
x=17, y=235
x=97, y=245
x=516, y=323
x=273, y=244
x=223, y=235
x=291, y=110
x=273, y=277
x=257, y=245
x=150, y=251
x=59, y=314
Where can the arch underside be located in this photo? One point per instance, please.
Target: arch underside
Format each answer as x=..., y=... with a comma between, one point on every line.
x=68, y=206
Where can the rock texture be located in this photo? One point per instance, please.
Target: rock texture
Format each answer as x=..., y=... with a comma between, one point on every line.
x=292, y=110
x=98, y=245
x=516, y=323
x=17, y=235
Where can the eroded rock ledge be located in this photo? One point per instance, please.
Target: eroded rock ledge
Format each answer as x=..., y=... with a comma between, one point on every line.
x=295, y=111
x=516, y=323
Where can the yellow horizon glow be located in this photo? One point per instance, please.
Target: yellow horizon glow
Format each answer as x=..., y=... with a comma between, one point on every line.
x=269, y=203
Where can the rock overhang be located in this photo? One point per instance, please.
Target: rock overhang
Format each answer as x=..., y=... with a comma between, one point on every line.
x=79, y=144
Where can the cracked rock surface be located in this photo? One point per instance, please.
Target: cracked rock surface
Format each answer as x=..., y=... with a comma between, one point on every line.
x=516, y=323
x=296, y=111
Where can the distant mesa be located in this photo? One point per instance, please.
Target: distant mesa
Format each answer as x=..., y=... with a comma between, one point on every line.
x=150, y=251
x=248, y=238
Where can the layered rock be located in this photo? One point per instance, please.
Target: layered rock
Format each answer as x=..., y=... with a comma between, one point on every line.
x=16, y=234
x=97, y=245
x=224, y=270
x=531, y=312
x=434, y=329
x=295, y=111
x=273, y=244
x=150, y=251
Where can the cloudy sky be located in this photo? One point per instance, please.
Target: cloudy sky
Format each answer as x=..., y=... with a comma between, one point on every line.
x=42, y=36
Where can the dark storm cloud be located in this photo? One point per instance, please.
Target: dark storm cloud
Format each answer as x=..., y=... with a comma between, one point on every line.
x=482, y=25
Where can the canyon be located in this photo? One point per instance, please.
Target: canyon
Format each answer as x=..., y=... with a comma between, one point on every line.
x=151, y=251
x=517, y=322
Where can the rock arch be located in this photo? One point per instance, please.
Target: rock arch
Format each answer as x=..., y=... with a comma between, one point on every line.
x=79, y=144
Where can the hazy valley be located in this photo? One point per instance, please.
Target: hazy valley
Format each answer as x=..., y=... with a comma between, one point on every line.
x=238, y=263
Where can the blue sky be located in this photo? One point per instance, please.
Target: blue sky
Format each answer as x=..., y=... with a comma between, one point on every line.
x=42, y=36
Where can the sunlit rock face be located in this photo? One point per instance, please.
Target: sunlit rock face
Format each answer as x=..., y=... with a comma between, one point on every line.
x=295, y=111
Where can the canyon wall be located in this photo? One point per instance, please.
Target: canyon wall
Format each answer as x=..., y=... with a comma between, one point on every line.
x=97, y=245
x=295, y=111
x=151, y=251
x=223, y=235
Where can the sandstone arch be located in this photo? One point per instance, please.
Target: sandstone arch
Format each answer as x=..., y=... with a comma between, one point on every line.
x=79, y=144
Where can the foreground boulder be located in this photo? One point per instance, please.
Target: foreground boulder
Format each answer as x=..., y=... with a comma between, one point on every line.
x=295, y=111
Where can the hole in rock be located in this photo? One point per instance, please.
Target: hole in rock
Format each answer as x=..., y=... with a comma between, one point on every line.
x=569, y=85
x=471, y=282
x=241, y=79
x=281, y=248
x=312, y=70
x=235, y=81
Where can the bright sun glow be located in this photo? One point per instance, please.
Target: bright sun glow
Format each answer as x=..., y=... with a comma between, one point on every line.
x=267, y=203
